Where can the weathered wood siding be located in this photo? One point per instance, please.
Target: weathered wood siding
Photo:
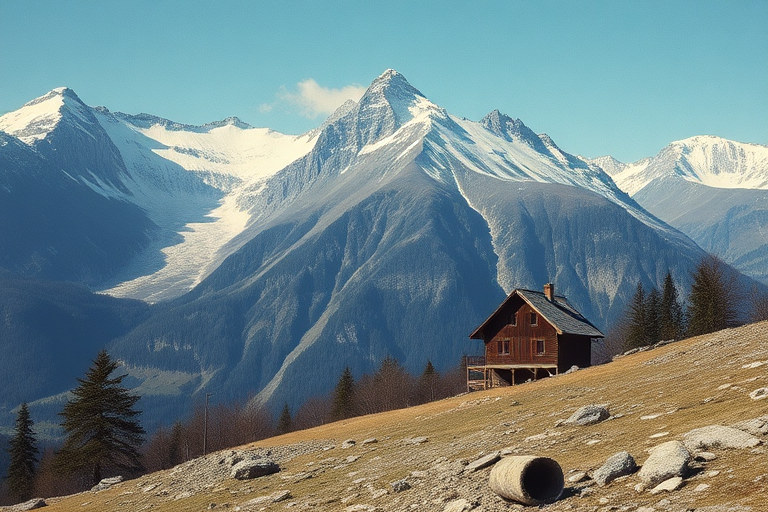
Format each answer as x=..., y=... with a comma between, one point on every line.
x=522, y=337
x=574, y=350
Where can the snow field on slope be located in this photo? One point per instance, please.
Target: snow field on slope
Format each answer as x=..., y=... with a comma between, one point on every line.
x=186, y=263
x=185, y=254
x=249, y=154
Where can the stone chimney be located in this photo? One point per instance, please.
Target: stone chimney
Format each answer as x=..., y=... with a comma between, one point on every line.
x=549, y=291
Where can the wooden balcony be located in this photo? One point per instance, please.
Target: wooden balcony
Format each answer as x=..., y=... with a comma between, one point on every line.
x=481, y=375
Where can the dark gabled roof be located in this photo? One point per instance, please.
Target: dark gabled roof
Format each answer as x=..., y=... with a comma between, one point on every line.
x=559, y=312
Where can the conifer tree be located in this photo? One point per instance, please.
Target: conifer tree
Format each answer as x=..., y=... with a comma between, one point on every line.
x=652, y=317
x=23, y=453
x=671, y=314
x=100, y=422
x=344, y=397
x=636, y=332
x=713, y=297
x=285, y=423
x=428, y=383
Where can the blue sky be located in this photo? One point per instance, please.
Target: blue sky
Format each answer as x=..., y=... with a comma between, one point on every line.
x=600, y=77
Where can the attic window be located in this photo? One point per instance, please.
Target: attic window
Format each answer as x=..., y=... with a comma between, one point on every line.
x=503, y=347
x=513, y=319
x=534, y=319
x=539, y=347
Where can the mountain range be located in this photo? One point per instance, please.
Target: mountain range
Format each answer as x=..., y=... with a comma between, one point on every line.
x=249, y=263
x=712, y=189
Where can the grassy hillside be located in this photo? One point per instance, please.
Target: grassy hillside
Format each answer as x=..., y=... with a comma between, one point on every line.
x=653, y=396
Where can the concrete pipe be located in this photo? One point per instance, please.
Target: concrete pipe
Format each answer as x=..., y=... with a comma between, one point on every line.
x=528, y=480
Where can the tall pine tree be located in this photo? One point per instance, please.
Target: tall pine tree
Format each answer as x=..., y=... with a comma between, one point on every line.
x=427, y=387
x=103, y=433
x=23, y=452
x=652, y=317
x=637, y=335
x=285, y=422
x=713, y=297
x=671, y=313
x=344, y=397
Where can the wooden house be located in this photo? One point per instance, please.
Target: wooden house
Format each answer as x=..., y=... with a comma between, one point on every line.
x=529, y=336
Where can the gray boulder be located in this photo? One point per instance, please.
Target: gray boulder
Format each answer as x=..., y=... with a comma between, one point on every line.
x=483, y=462
x=617, y=465
x=718, y=436
x=106, y=483
x=589, y=415
x=400, y=485
x=669, y=485
x=28, y=505
x=755, y=426
x=460, y=505
x=666, y=460
x=247, y=469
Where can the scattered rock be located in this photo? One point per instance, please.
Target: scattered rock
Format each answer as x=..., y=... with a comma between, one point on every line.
x=460, y=505
x=701, y=487
x=28, y=505
x=418, y=440
x=419, y=474
x=370, y=440
x=400, y=485
x=759, y=394
x=349, y=443
x=483, y=462
x=572, y=369
x=254, y=468
x=577, y=477
x=106, y=483
x=378, y=493
x=755, y=426
x=233, y=458
x=756, y=364
x=589, y=415
x=617, y=465
x=718, y=436
x=705, y=456
x=671, y=484
x=666, y=460
x=360, y=508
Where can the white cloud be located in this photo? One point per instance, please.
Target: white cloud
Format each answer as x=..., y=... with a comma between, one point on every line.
x=311, y=99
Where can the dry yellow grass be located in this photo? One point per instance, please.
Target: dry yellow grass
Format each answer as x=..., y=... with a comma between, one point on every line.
x=671, y=389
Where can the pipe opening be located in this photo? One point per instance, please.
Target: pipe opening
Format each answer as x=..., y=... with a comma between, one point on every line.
x=543, y=480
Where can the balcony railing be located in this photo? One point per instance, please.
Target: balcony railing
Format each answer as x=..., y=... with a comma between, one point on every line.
x=475, y=360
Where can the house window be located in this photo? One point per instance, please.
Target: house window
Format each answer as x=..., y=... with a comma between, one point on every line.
x=503, y=347
x=539, y=347
x=513, y=319
x=534, y=319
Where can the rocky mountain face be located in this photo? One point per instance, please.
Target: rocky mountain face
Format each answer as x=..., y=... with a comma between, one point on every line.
x=274, y=261
x=712, y=189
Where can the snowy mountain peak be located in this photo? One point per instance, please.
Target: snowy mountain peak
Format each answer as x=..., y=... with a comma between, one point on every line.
x=37, y=118
x=704, y=159
x=508, y=128
x=390, y=95
x=230, y=121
